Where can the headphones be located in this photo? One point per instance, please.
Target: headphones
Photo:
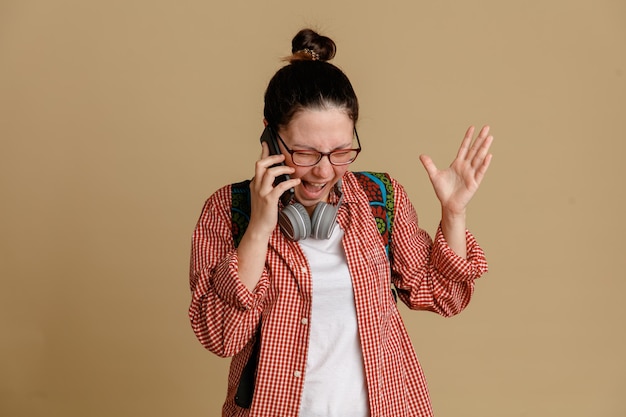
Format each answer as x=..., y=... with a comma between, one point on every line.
x=295, y=223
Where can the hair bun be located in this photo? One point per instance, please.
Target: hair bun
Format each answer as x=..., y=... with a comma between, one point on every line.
x=310, y=45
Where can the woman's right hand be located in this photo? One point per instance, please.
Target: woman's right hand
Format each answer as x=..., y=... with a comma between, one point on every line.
x=264, y=195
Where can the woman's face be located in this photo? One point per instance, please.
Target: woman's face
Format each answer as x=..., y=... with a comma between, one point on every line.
x=323, y=130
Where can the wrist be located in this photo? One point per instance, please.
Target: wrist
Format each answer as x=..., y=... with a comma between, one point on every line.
x=453, y=227
x=453, y=214
x=257, y=232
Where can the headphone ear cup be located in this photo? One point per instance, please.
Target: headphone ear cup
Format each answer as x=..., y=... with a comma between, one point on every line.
x=294, y=221
x=323, y=221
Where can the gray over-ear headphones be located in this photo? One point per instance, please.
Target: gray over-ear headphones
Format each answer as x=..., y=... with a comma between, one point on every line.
x=296, y=224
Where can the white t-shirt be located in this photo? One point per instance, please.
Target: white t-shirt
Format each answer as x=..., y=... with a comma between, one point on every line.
x=334, y=384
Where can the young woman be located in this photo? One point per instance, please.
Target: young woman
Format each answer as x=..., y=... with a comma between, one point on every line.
x=318, y=307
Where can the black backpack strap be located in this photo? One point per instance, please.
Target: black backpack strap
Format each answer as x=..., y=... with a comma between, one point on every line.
x=245, y=389
x=240, y=209
x=240, y=216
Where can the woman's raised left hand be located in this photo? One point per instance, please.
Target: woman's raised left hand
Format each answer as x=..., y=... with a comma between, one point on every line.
x=456, y=185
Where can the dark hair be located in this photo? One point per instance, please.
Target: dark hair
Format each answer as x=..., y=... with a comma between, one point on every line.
x=308, y=81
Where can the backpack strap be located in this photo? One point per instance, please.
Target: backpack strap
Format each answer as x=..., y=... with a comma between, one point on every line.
x=240, y=209
x=240, y=217
x=379, y=190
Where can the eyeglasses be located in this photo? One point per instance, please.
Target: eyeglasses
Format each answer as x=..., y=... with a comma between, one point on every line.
x=311, y=158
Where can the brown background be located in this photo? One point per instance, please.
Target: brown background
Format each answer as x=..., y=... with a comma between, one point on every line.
x=118, y=118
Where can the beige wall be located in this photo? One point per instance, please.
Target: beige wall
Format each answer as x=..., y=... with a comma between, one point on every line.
x=118, y=118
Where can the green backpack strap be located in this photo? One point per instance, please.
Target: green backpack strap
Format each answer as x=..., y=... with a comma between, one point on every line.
x=379, y=191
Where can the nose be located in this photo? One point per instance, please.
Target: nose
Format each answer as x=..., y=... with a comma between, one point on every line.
x=323, y=167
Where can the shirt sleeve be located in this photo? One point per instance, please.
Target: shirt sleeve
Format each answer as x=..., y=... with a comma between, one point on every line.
x=224, y=314
x=428, y=274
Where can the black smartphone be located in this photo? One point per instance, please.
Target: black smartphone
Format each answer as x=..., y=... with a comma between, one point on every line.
x=269, y=136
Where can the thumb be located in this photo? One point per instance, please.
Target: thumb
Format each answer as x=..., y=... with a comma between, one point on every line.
x=429, y=165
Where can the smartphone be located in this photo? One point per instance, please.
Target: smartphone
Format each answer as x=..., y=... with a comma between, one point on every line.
x=269, y=136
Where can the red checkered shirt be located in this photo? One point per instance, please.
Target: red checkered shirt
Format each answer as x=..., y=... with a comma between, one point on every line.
x=224, y=314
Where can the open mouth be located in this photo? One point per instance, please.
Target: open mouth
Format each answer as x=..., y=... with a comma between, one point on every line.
x=313, y=190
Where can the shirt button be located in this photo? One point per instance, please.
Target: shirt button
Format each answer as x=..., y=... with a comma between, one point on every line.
x=304, y=321
x=297, y=374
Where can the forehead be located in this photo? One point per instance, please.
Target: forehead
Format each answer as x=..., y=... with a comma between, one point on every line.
x=328, y=127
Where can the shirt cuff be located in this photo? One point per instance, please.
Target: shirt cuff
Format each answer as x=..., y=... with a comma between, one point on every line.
x=451, y=265
x=229, y=287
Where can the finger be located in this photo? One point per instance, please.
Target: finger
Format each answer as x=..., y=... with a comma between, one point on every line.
x=262, y=165
x=476, y=146
x=278, y=170
x=482, y=169
x=265, y=150
x=270, y=161
x=285, y=185
x=429, y=165
x=465, y=143
x=270, y=175
x=482, y=152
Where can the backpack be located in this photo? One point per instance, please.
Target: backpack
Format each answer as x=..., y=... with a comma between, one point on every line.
x=379, y=190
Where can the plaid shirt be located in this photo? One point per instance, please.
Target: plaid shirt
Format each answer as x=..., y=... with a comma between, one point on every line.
x=224, y=314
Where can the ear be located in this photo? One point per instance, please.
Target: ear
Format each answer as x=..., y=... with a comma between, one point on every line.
x=265, y=122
